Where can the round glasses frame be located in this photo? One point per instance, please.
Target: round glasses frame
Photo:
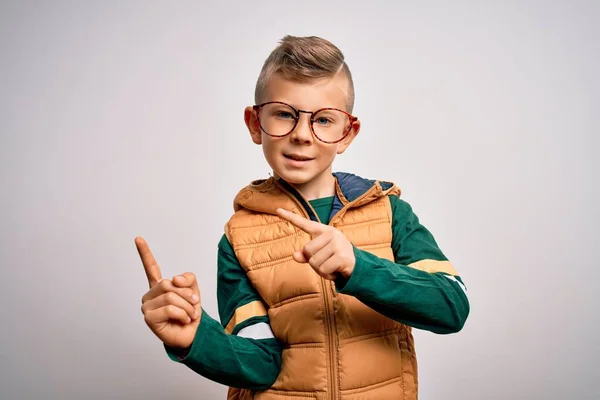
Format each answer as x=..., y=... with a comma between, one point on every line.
x=352, y=119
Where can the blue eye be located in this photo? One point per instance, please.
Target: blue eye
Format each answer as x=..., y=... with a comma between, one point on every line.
x=285, y=115
x=322, y=121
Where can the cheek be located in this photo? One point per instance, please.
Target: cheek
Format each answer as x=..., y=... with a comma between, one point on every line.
x=270, y=147
x=328, y=152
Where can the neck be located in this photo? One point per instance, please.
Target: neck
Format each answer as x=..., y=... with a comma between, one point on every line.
x=319, y=187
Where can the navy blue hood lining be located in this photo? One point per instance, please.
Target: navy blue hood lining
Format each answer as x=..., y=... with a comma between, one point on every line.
x=352, y=187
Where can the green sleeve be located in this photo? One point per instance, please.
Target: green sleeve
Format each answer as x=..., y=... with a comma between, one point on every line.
x=434, y=301
x=229, y=359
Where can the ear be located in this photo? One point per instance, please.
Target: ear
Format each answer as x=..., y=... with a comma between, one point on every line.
x=343, y=145
x=251, y=120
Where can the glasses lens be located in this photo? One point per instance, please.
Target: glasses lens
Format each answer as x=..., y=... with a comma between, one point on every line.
x=331, y=125
x=277, y=119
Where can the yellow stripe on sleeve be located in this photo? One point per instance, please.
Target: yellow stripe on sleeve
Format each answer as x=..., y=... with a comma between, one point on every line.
x=253, y=309
x=432, y=266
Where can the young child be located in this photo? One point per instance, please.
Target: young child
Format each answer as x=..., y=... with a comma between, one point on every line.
x=321, y=275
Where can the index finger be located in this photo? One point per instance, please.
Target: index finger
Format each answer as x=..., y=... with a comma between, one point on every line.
x=150, y=264
x=311, y=227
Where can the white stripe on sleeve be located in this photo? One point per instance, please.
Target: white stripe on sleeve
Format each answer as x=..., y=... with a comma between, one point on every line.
x=261, y=330
x=464, y=289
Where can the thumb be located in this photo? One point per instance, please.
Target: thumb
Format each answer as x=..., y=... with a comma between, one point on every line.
x=300, y=257
x=187, y=280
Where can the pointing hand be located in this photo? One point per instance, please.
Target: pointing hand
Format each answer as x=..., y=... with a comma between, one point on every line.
x=171, y=308
x=329, y=252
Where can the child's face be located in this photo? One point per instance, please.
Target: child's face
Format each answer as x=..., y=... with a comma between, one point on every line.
x=315, y=170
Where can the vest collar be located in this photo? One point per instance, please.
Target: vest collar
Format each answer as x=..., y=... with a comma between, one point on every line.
x=266, y=195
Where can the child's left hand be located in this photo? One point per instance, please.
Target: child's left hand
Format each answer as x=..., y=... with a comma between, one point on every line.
x=329, y=252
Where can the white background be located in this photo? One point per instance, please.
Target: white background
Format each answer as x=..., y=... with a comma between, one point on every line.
x=125, y=118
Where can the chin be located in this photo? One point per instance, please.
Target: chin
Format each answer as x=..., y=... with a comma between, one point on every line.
x=293, y=177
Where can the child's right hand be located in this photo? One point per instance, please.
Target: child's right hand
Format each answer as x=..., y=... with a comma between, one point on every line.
x=171, y=308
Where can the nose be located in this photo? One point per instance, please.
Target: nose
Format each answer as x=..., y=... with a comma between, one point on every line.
x=302, y=133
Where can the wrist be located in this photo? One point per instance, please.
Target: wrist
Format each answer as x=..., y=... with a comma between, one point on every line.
x=345, y=282
x=348, y=270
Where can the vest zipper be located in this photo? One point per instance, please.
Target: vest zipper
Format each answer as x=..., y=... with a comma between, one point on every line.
x=329, y=311
x=329, y=316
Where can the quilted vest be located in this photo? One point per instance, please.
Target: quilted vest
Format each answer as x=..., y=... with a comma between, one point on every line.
x=335, y=347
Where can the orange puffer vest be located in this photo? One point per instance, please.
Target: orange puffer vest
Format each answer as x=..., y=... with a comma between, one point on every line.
x=335, y=347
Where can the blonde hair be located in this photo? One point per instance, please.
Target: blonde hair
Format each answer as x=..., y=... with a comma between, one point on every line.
x=304, y=60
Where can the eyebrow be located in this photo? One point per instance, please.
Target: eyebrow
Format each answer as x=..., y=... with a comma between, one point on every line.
x=316, y=109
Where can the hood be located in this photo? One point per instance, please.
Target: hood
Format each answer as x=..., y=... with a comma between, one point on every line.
x=267, y=195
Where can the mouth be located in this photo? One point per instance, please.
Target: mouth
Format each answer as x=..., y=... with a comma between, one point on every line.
x=297, y=157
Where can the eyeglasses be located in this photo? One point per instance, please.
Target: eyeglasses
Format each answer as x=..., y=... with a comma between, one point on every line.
x=279, y=119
